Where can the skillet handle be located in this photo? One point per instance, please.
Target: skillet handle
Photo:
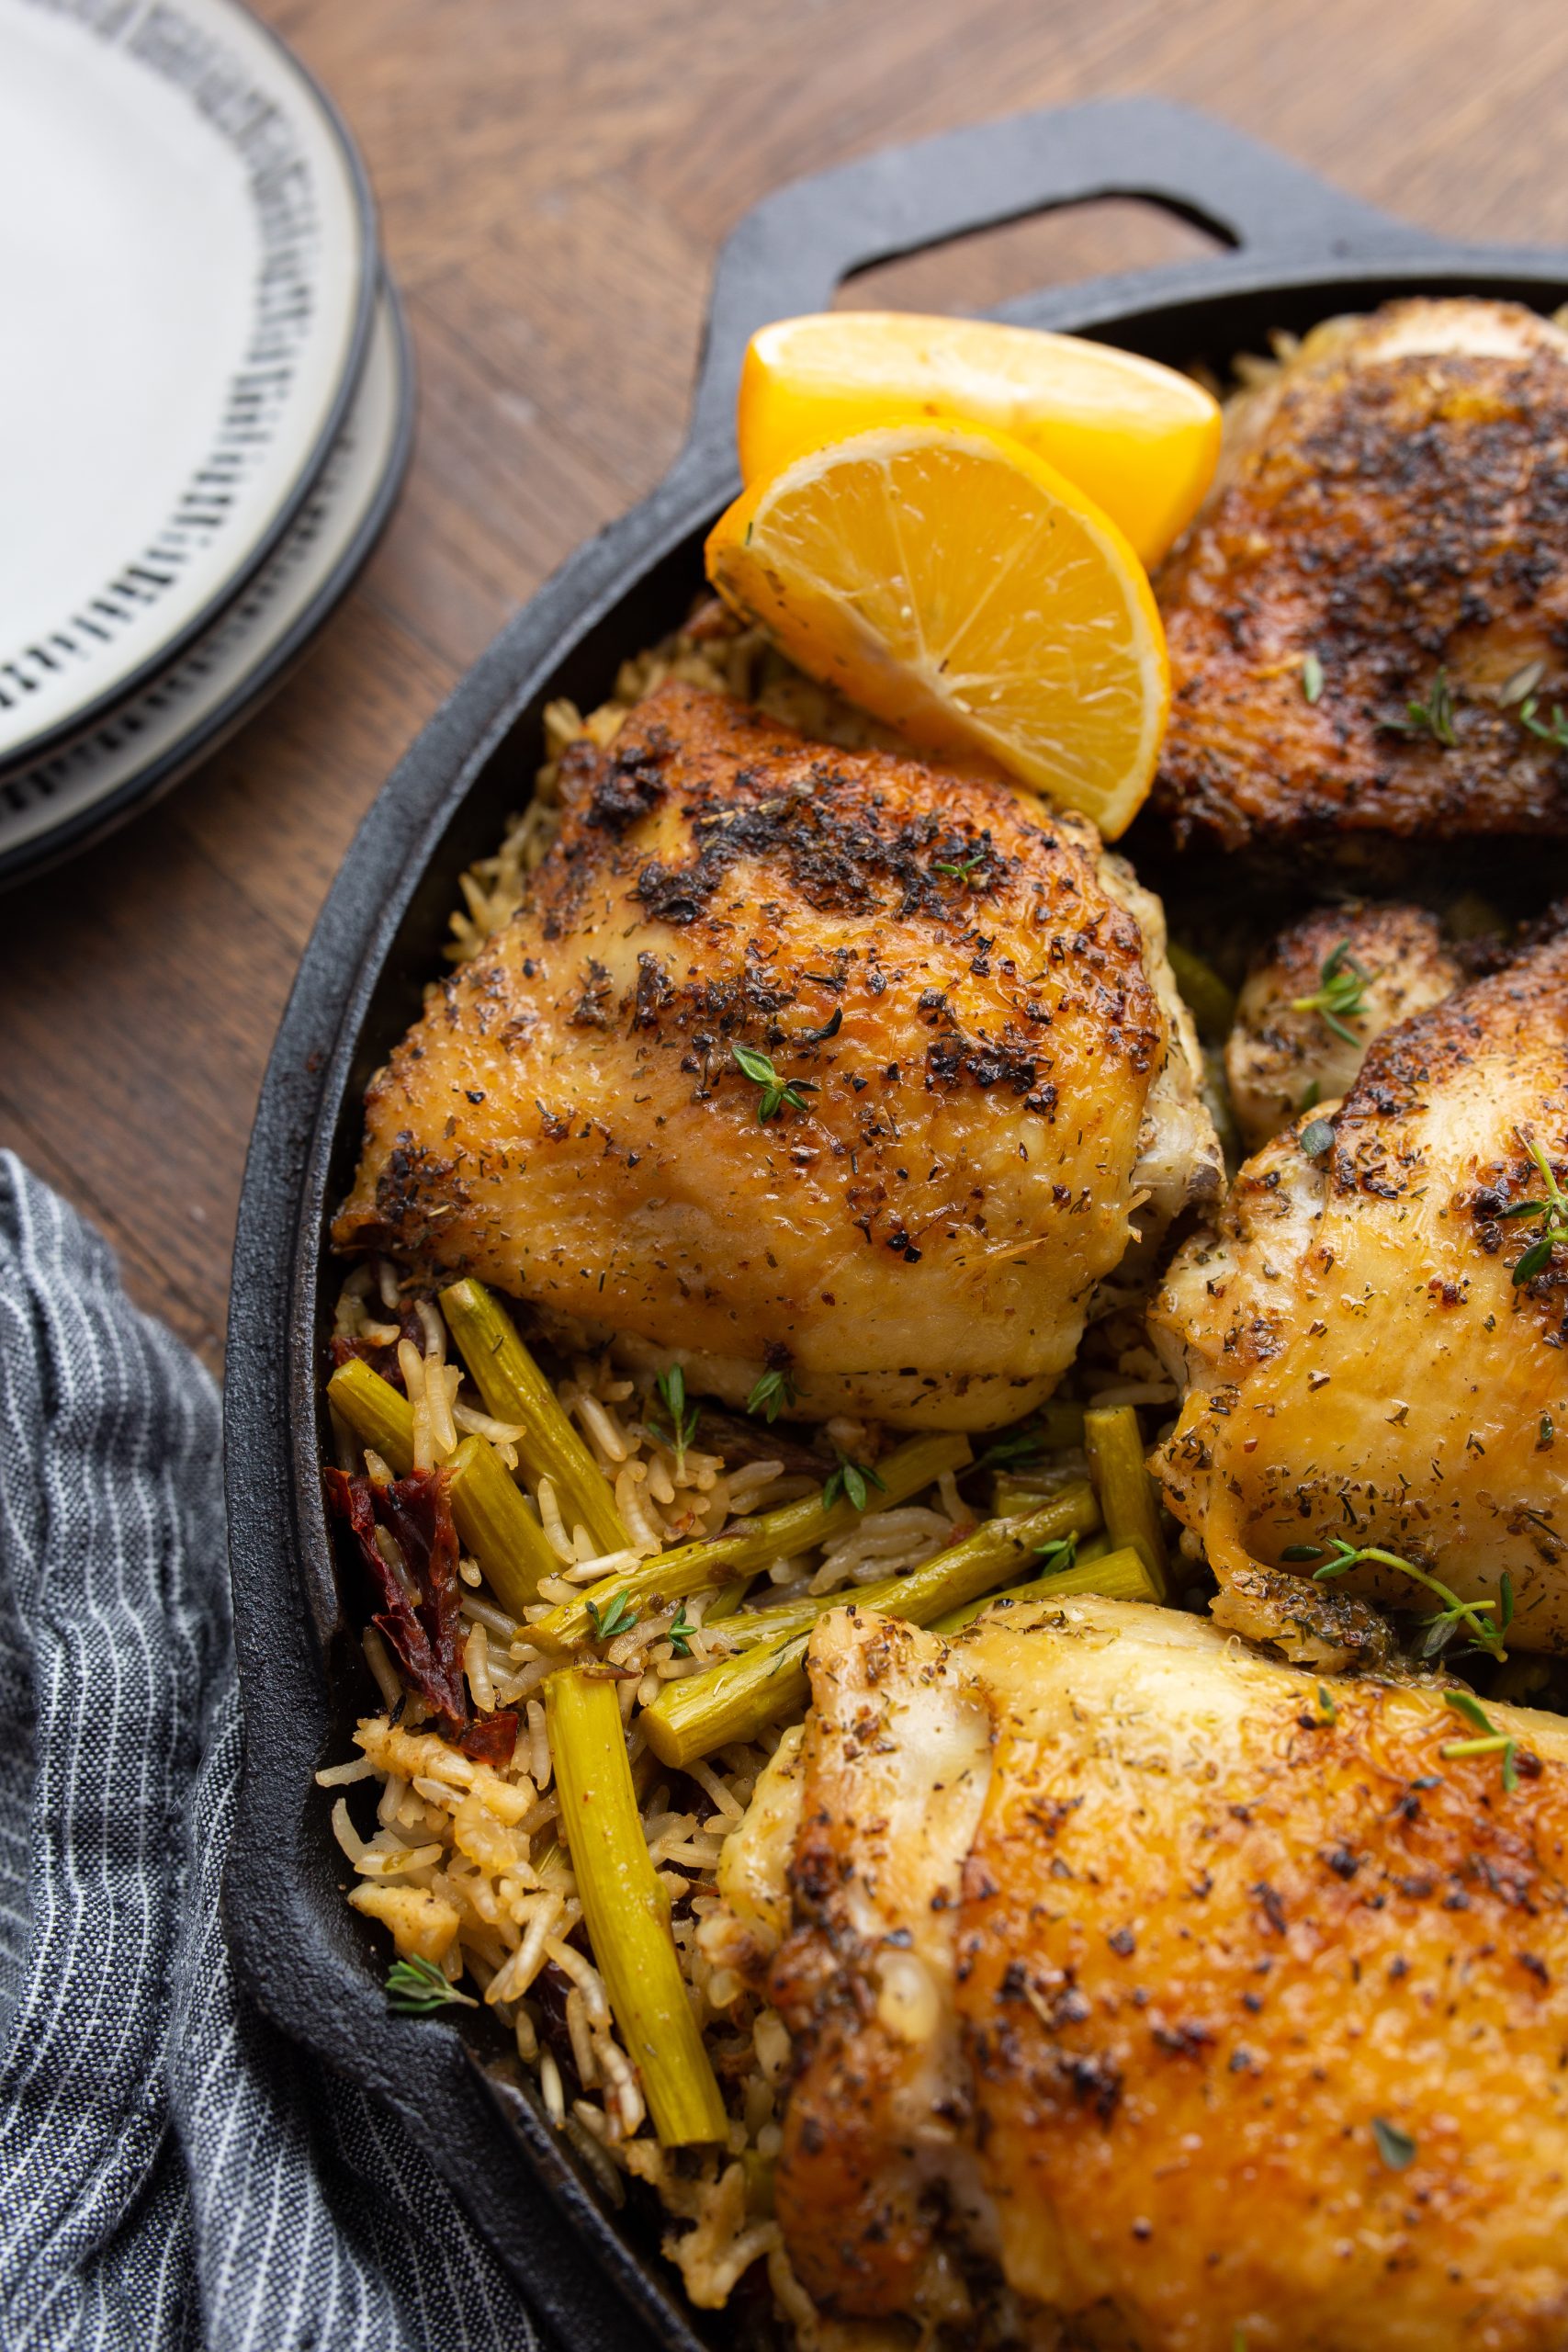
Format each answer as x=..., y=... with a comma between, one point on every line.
x=792, y=251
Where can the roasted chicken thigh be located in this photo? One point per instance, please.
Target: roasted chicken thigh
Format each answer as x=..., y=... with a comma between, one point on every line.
x=1389, y=528
x=1290, y=1047
x=1372, y=1338
x=1145, y=1994
x=982, y=1090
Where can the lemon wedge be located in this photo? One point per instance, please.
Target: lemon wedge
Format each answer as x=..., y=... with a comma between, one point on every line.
x=1141, y=440
x=952, y=582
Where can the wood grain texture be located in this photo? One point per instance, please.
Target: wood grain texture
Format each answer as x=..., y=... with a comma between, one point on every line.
x=554, y=179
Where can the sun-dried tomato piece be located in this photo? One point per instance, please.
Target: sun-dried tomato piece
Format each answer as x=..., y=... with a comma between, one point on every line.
x=418, y=1616
x=490, y=1740
x=383, y=1360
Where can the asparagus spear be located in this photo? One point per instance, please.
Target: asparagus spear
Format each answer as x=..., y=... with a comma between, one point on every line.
x=1114, y=1444
x=771, y=1535
x=742, y=1696
x=726, y=1600
x=627, y=1910
x=376, y=1412
x=515, y=1390
x=1072, y=1511
x=493, y=1518
x=1011, y=1495
x=1115, y=1575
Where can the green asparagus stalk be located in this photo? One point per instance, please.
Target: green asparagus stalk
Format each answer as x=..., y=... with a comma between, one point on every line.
x=1013, y=1493
x=1115, y=1575
x=739, y=1697
x=496, y=1525
x=516, y=1391
x=493, y=1520
x=378, y=1415
x=1114, y=1444
x=771, y=1535
x=1073, y=1511
x=627, y=1910
x=726, y=1600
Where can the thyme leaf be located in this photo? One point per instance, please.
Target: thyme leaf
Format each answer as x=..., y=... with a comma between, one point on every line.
x=680, y=1418
x=614, y=1618
x=1434, y=716
x=852, y=1479
x=772, y=1394
x=1312, y=677
x=1011, y=1451
x=961, y=868
x=758, y=1067
x=1475, y=1616
x=416, y=1988
x=1492, y=1742
x=1556, y=732
x=1340, y=996
x=1316, y=1137
x=1058, y=1553
x=1396, y=2148
x=681, y=1632
x=1552, y=1214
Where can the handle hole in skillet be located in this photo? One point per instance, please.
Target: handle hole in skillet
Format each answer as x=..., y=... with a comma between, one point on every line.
x=989, y=266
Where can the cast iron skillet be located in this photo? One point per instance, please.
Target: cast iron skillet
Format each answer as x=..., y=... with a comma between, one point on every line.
x=1300, y=251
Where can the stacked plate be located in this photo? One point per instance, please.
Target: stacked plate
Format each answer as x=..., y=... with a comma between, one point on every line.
x=207, y=402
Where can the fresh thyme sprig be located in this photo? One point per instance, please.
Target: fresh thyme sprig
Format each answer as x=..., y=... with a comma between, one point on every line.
x=772, y=1394
x=1341, y=993
x=1434, y=717
x=681, y=1632
x=758, y=1067
x=1556, y=732
x=681, y=1417
x=961, y=868
x=615, y=1617
x=416, y=1988
x=851, y=1478
x=1553, y=1213
x=1492, y=1742
x=1474, y=1616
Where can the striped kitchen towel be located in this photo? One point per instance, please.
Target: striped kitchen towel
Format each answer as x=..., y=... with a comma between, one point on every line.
x=172, y=2172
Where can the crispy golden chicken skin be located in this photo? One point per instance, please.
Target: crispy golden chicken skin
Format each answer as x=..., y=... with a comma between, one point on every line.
x=1143, y=1995
x=1394, y=504
x=993, y=1087
x=1282, y=1056
x=1359, y=1358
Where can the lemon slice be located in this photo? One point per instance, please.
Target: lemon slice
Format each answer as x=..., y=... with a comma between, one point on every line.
x=954, y=585
x=1140, y=439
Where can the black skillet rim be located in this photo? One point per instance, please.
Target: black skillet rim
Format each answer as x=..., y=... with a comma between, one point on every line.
x=1306, y=246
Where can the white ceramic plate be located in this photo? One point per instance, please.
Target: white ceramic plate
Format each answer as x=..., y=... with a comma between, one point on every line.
x=159, y=733
x=188, y=256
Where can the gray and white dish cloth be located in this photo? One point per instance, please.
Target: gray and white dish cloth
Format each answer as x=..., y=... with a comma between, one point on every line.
x=173, y=2172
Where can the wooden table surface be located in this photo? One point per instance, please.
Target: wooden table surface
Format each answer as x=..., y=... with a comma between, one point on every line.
x=554, y=177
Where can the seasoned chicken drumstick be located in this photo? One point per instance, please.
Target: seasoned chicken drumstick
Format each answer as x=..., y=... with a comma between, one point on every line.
x=1389, y=526
x=1147, y=1994
x=1371, y=1340
x=1312, y=1005
x=982, y=1092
